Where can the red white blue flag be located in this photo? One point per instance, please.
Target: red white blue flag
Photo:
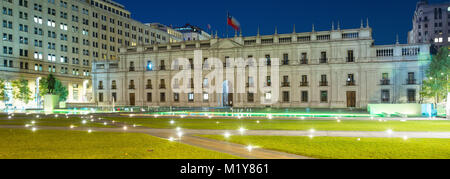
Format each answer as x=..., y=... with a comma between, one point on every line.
x=231, y=21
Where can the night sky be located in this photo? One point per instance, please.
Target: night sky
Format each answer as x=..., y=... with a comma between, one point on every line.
x=386, y=17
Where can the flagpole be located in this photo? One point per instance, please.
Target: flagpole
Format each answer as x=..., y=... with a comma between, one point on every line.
x=228, y=15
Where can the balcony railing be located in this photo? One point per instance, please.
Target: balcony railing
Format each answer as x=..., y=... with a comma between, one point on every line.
x=131, y=68
x=350, y=83
x=268, y=84
x=100, y=87
x=350, y=59
x=411, y=81
x=304, y=61
x=285, y=62
x=149, y=86
x=162, y=67
x=113, y=87
x=285, y=84
x=385, y=82
x=323, y=60
x=132, y=87
x=323, y=83
x=250, y=85
x=162, y=86
x=304, y=83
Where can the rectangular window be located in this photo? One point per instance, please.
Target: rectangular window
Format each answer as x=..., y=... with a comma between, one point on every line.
x=350, y=57
x=100, y=97
x=250, y=97
x=324, y=96
x=176, y=97
x=205, y=97
x=286, y=96
x=149, y=97
x=411, y=95
x=385, y=96
x=114, y=96
x=162, y=97
x=304, y=96
x=191, y=97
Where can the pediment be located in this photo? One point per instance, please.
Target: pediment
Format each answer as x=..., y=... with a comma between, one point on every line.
x=226, y=43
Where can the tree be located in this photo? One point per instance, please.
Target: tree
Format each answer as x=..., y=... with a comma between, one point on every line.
x=437, y=84
x=21, y=90
x=53, y=86
x=3, y=95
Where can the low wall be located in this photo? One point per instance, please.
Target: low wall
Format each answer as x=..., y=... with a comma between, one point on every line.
x=408, y=109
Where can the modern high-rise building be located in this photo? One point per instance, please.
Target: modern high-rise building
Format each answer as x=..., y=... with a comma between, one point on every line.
x=64, y=37
x=431, y=24
x=174, y=35
x=339, y=68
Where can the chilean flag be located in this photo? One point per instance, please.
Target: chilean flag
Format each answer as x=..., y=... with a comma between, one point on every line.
x=233, y=22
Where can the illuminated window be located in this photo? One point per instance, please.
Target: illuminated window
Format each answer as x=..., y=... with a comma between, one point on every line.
x=149, y=66
x=191, y=97
x=205, y=97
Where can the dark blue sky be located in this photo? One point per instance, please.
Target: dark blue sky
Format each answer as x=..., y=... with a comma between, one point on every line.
x=386, y=17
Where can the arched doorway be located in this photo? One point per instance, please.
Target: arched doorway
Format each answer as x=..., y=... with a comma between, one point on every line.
x=227, y=94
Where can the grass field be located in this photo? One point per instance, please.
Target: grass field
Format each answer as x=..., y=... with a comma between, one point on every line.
x=349, y=148
x=50, y=120
x=330, y=125
x=24, y=144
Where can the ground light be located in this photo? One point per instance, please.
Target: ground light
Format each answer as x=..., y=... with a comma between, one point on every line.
x=171, y=139
x=311, y=136
x=72, y=126
x=312, y=130
x=405, y=137
x=257, y=122
x=83, y=122
x=389, y=131
x=250, y=148
x=172, y=122
x=125, y=128
x=33, y=129
x=33, y=122
x=242, y=130
x=178, y=129
x=227, y=135
x=89, y=131
x=105, y=123
x=180, y=134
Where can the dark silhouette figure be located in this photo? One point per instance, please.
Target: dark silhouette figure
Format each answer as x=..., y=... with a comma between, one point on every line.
x=51, y=83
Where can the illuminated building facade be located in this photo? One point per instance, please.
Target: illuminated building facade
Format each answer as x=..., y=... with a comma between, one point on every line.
x=318, y=69
x=191, y=32
x=431, y=24
x=64, y=38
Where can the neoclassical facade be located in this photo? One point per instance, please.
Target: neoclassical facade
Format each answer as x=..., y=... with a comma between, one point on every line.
x=326, y=69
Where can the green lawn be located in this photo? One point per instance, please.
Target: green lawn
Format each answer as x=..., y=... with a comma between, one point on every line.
x=50, y=120
x=329, y=125
x=42, y=144
x=349, y=148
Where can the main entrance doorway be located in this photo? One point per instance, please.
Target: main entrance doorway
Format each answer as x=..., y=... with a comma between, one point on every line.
x=351, y=99
x=132, y=99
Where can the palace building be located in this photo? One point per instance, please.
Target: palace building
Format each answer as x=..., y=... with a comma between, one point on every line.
x=64, y=37
x=319, y=69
